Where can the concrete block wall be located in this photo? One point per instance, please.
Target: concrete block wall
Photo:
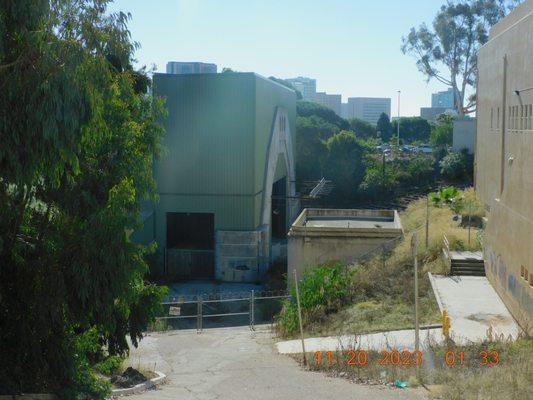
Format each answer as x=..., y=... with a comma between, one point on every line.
x=240, y=255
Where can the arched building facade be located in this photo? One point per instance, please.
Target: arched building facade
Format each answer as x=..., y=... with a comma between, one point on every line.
x=227, y=183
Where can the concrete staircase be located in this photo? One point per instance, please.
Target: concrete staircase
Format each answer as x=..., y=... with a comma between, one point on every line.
x=467, y=263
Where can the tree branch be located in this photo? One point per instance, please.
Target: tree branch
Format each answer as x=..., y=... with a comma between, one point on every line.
x=12, y=64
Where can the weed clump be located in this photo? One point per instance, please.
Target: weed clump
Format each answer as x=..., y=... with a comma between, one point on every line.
x=323, y=290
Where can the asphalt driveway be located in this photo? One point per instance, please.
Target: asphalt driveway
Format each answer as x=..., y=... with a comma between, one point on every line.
x=234, y=364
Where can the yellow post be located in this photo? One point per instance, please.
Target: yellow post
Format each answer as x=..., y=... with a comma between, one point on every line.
x=445, y=324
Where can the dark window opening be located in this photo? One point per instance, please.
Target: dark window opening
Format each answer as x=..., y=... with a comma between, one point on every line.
x=194, y=231
x=279, y=209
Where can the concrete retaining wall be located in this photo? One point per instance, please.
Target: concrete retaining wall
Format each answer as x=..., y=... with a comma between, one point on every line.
x=464, y=135
x=241, y=256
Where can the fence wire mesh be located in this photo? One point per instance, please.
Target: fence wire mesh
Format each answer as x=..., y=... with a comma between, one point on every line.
x=210, y=310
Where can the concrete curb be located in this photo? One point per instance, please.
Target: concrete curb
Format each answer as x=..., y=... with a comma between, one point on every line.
x=435, y=291
x=141, y=387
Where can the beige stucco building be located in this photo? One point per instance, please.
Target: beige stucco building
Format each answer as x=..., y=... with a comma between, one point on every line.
x=321, y=236
x=504, y=159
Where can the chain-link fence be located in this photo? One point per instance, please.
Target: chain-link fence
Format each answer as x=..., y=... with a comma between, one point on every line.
x=221, y=309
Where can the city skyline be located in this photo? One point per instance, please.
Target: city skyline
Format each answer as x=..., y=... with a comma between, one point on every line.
x=339, y=44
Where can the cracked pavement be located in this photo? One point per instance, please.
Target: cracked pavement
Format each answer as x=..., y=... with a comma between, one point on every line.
x=235, y=363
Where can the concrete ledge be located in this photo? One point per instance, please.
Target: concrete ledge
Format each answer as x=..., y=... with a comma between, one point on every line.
x=141, y=387
x=435, y=291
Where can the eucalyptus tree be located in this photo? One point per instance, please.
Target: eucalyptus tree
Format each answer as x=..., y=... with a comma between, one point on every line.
x=447, y=51
x=78, y=136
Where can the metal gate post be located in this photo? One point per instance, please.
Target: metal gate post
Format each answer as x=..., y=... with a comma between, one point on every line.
x=201, y=314
x=199, y=310
x=252, y=310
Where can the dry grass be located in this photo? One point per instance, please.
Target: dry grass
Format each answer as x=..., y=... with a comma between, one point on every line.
x=512, y=378
x=384, y=286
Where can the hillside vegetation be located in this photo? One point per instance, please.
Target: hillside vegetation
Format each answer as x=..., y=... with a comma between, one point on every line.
x=379, y=294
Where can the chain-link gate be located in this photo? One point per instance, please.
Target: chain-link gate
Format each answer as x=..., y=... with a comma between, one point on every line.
x=219, y=306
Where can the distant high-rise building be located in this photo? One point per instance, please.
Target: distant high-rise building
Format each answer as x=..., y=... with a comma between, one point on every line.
x=443, y=99
x=368, y=109
x=431, y=113
x=332, y=101
x=306, y=86
x=180, y=68
x=441, y=103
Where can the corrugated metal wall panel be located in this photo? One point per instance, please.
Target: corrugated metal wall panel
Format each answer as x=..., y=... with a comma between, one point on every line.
x=217, y=134
x=209, y=134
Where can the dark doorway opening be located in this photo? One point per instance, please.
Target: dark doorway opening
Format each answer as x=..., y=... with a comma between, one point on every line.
x=279, y=209
x=190, y=245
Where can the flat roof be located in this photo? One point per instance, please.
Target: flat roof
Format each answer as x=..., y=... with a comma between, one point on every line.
x=347, y=222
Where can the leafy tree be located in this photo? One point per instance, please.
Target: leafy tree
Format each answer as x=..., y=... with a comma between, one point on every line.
x=442, y=133
x=448, y=51
x=315, y=124
x=362, y=129
x=412, y=128
x=288, y=85
x=309, y=108
x=78, y=138
x=378, y=181
x=311, y=150
x=344, y=164
x=384, y=127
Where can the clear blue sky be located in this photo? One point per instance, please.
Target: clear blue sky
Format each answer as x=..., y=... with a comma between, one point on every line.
x=351, y=47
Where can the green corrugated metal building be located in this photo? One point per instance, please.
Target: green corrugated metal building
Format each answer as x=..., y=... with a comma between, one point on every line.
x=226, y=177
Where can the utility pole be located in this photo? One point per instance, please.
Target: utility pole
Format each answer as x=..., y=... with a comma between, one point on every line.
x=469, y=221
x=383, y=172
x=427, y=221
x=398, y=138
x=300, y=315
x=417, y=326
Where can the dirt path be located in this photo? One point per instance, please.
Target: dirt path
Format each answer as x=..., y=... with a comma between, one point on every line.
x=234, y=364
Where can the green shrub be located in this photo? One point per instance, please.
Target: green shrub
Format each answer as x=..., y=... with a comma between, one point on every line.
x=322, y=290
x=420, y=170
x=448, y=196
x=375, y=183
x=457, y=166
x=465, y=203
x=110, y=366
x=287, y=319
x=323, y=287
